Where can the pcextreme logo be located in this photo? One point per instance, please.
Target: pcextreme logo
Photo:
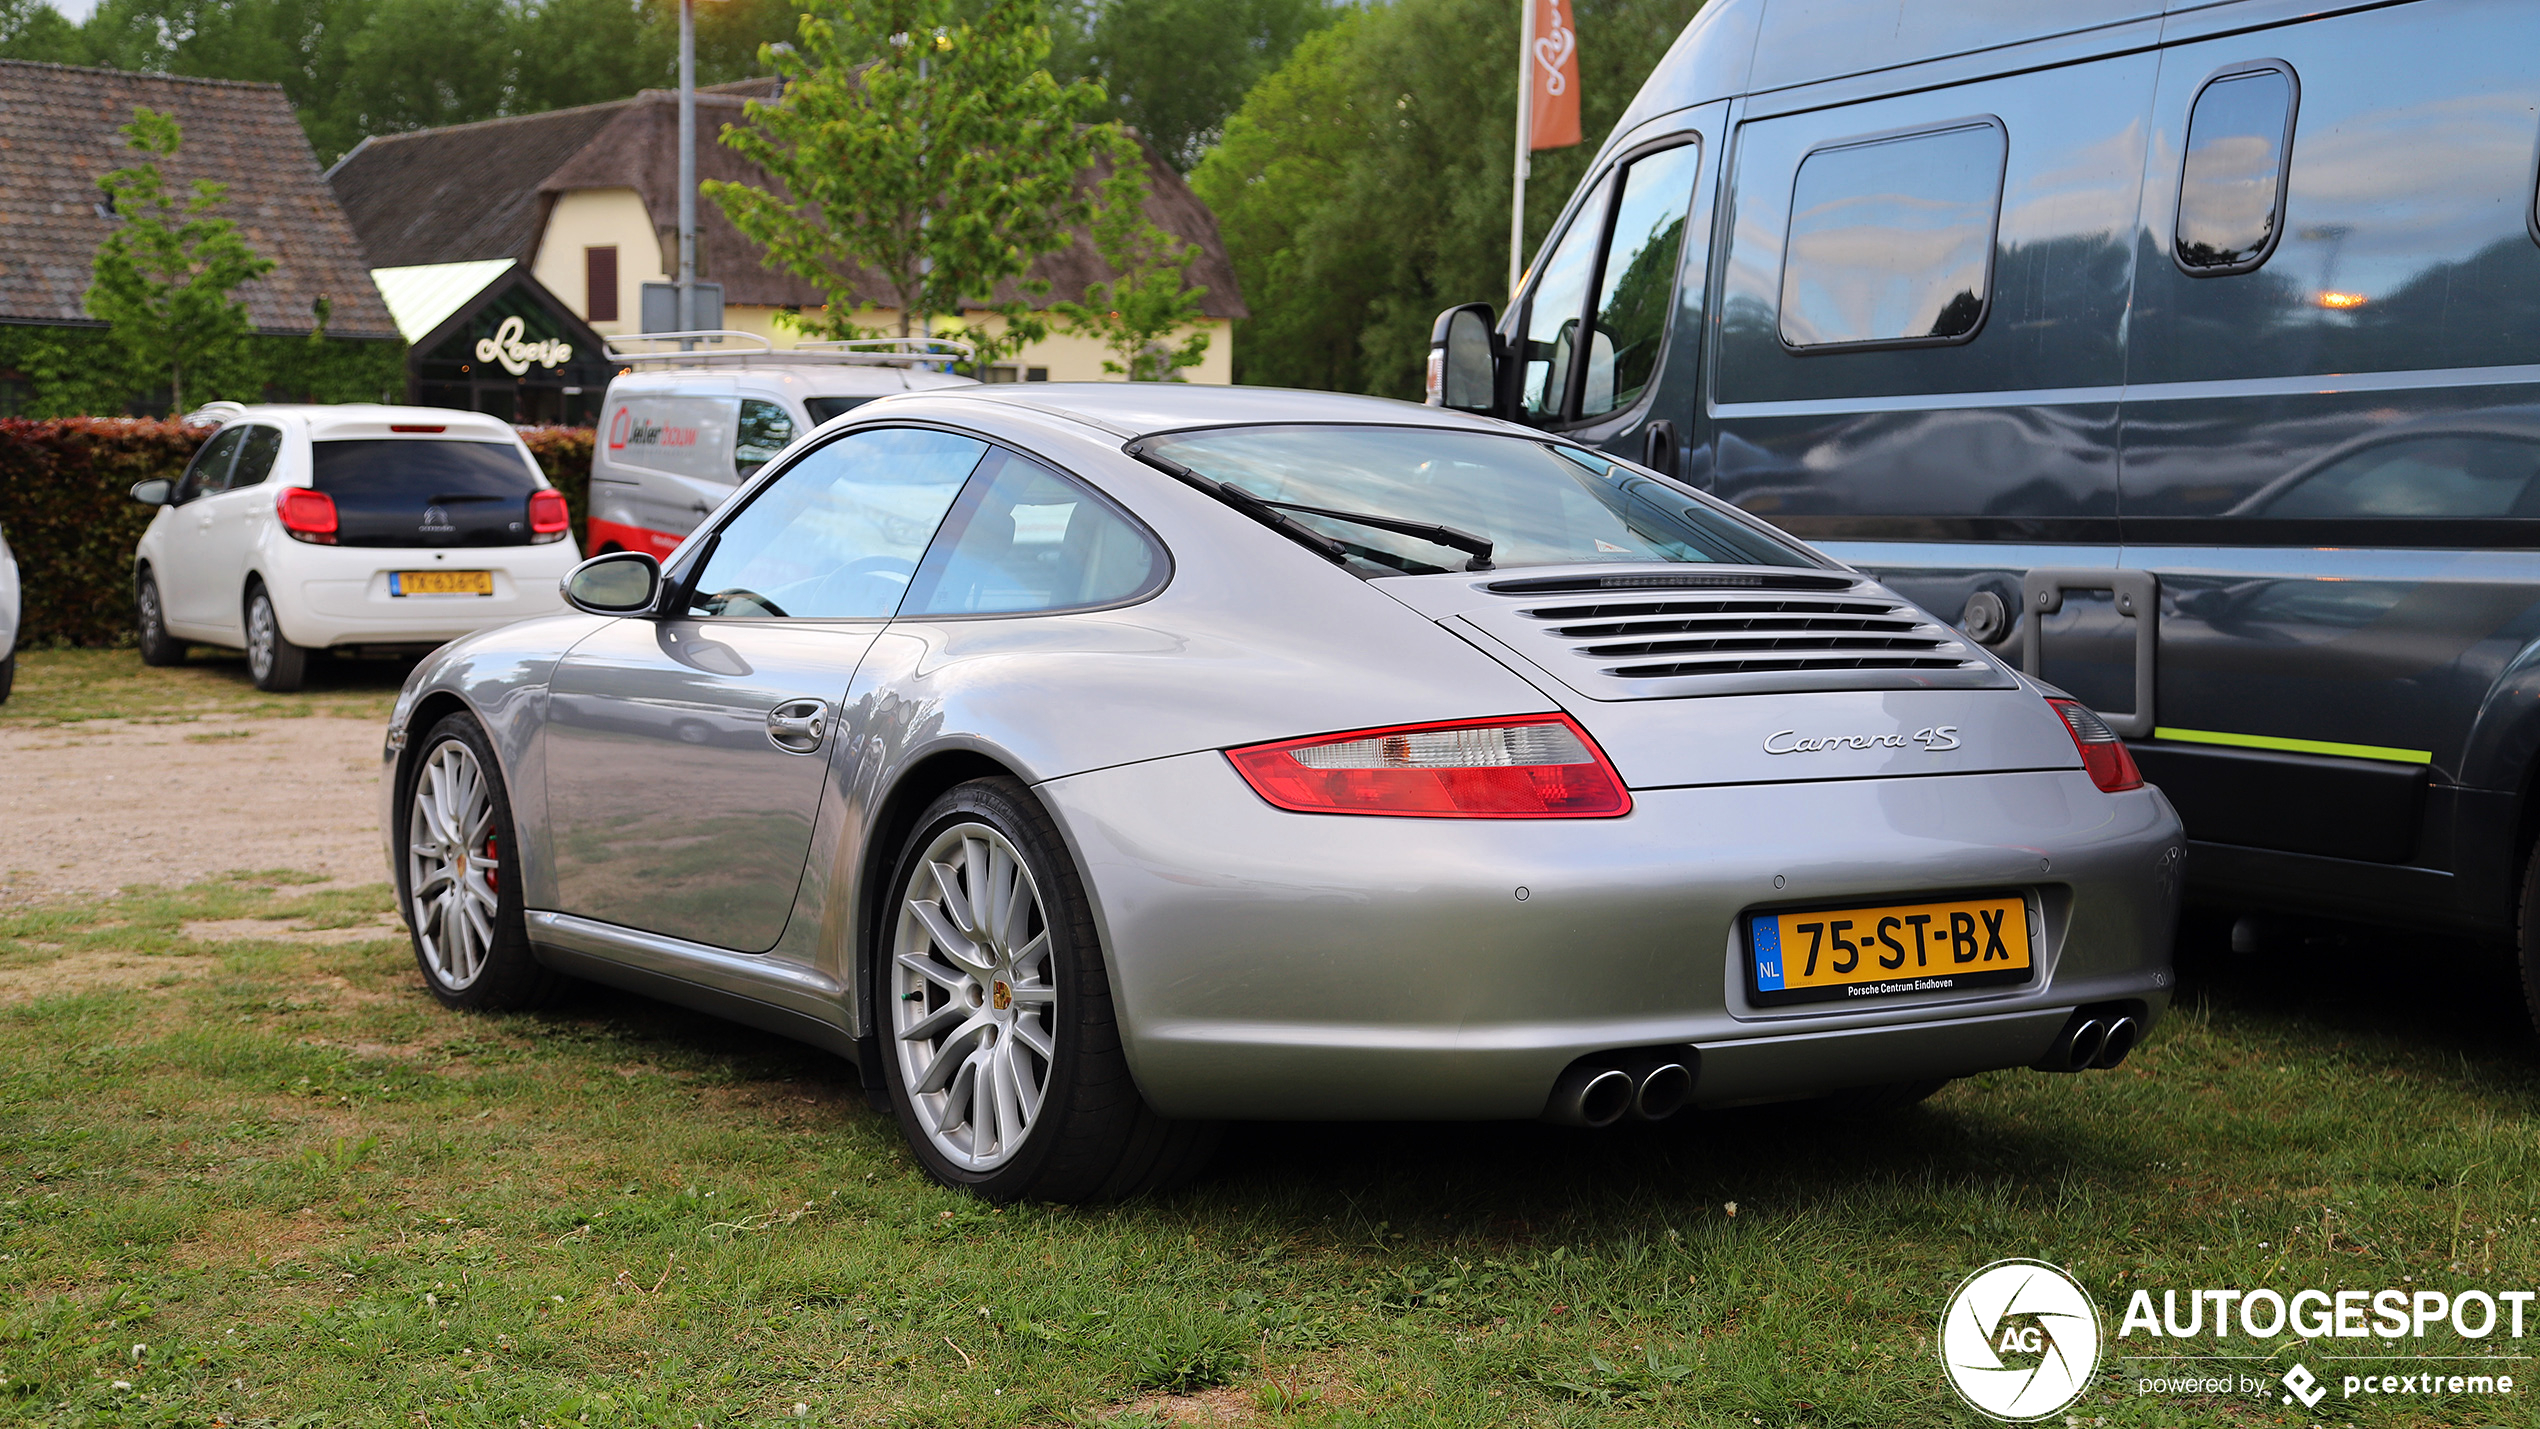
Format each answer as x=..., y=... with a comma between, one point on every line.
x=2019, y=1340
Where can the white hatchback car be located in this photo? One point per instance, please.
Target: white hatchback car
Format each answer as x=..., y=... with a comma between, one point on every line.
x=357, y=527
x=8, y=618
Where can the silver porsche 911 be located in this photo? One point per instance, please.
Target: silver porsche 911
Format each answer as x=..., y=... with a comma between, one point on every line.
x=1096, y=764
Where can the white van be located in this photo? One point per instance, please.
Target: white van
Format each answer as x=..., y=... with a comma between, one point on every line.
x=680, y=429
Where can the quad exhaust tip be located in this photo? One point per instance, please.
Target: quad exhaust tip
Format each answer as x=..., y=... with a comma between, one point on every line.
x=1601, y=1090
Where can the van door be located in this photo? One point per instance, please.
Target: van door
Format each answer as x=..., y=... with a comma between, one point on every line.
x=1607, y=337
x=1920, y=330
x=2332, y=427
x=665, y=463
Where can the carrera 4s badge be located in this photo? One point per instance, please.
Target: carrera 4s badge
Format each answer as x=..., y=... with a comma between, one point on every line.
x=1790, y=741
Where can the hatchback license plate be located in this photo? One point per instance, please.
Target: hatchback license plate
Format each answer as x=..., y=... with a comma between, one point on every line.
x=1827, y=953
x=440, y=582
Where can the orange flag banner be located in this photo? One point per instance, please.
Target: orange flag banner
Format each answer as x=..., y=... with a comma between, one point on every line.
x=1554, y=75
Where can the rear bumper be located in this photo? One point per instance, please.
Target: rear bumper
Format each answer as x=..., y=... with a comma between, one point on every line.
x=344, y=598
x=1275, y=965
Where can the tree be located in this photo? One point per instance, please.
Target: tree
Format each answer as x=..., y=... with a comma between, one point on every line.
x=1364, y=185
x=162, y=279
x=1177, y=68
x=34, y=30
x=935, y=153
x=1151, y=299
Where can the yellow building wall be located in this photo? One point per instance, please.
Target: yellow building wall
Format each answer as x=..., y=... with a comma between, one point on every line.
x=594, y=218
x=600, y=218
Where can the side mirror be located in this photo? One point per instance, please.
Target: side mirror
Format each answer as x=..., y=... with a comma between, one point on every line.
x=1462, y=373
x=154, y=492
x=619, y=583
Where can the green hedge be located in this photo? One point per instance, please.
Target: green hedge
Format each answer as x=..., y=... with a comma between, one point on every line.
x=66, y=508
x=48, y=371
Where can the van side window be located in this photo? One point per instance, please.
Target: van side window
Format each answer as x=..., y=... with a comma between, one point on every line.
x=1552, y=314
x=1638, y=278
x=2231, y=190
x=765, y=429
x=1891, y=239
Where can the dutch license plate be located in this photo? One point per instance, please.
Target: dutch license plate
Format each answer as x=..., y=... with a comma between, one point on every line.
x=440, y=582
x=1827, y=953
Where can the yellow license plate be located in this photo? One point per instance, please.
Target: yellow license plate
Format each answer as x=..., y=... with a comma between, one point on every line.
x=440, y=582
x=1827, y=953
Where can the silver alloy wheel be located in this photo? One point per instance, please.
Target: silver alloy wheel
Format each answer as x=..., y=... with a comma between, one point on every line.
x=453, y=868
x=262, y=634
x=973, y=1004
x=148, y=600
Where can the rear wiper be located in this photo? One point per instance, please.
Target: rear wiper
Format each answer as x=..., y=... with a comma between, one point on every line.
x=1479, y=547
x=1249, y=504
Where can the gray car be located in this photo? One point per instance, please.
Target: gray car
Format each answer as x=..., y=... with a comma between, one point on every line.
x=1096, y=764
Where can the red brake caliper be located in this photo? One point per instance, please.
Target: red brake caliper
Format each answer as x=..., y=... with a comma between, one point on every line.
x=493, y=877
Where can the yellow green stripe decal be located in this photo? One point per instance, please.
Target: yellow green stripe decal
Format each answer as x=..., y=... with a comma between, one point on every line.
x=2296, y=746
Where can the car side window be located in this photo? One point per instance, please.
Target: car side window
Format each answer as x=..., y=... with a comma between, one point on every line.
x=1891, y=239
x=2456, y=475
x=1638, y=278
x=765, y=430
x=209, y=471
x=838, y=534
x=2231, y=189
x=1023, y=539
x=1554, y=310
x=255, y=457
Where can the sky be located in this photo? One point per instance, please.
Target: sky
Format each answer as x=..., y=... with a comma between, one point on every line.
x=75, y=10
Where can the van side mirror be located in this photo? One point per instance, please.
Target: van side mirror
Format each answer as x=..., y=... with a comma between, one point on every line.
x=154, y=492
x=619, y=583
x=1463, y=371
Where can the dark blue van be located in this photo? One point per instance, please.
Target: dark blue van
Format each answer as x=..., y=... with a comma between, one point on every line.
x=2187, y=354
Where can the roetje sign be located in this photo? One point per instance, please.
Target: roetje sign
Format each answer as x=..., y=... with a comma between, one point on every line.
x=517, y=356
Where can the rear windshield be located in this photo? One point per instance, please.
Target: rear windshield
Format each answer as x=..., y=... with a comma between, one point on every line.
x=415, y=491
x=823, y=408
x=1537, y=502
x=422, y=471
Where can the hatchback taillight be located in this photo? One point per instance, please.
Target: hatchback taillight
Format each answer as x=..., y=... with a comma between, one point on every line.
x=548, y=517
x=2110, y=764
x=307, y=515
x=1528, y=767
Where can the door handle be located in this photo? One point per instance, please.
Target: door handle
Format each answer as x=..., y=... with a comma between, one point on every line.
x=1658, y=448
x=798, y=726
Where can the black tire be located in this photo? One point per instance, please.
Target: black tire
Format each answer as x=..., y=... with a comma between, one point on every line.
x=277, y=665
x=8, y=674
x=150, y=622
x=1094, y=1137
x=2527, y=934
x=489, y=971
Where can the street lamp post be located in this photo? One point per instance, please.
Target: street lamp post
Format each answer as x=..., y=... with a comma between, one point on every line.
x=687, y=169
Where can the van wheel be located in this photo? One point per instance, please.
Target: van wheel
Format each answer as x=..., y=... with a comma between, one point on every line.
x=2527, y=935
x=150, y=618
x=8, y=674
x=999, y=1044
x=277, y=665
x=458, y=876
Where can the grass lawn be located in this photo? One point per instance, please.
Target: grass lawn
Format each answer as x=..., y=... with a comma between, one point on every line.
x=250, y=1176
x=66, y=686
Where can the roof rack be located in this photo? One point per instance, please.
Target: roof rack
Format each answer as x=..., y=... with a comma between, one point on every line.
x=745, y=349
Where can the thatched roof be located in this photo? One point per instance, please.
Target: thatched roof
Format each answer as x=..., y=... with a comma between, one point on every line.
x=59, y=135
x=483, y=191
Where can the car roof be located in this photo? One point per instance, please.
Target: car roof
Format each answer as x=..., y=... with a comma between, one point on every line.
x=365, y=419
x=1137, y=409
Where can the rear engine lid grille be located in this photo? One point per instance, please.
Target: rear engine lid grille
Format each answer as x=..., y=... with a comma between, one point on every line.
x=1668, y=636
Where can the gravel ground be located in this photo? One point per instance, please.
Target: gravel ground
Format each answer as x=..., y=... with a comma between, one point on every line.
x=88, y=808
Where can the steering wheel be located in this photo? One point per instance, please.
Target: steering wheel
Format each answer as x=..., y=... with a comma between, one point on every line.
x=720, y=603
x=841, y=587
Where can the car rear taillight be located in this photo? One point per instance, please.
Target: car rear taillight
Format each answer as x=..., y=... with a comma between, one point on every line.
x=1528, y=767
x=2102, y=753
x=548, y=517
x=307, y=515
